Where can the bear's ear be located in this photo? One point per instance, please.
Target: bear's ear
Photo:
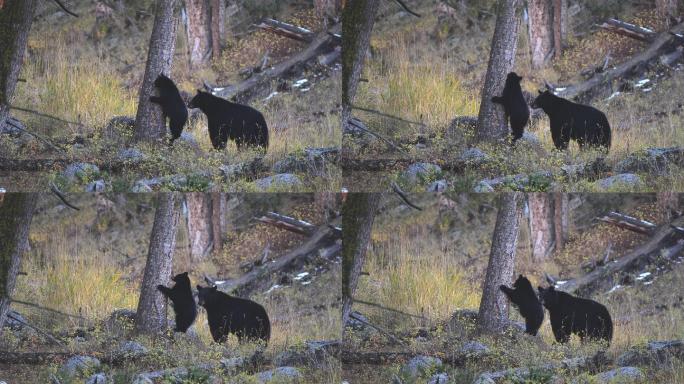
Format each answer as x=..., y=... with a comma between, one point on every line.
x=540, y=91
x=199, y=287
x=184, y=273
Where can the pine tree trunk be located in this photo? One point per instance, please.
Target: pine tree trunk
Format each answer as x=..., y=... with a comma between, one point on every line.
x=666, y=9
x=494, y=305
x=149, y=123
x=561, y=219
x=491, y=123
x=16, y=213
x=16, y=18
x=358, y=214
x=151, y=314
x=199, y=32
x=541, y=31
x=542, y=224
x=559, y=10
x=200, y=225
x=218, y=19
x=218, y=220
x=357, y=24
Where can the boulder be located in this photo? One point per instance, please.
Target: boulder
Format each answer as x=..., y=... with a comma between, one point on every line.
x=474, y=349
x=655, y=161
x=282, y=181
x=439, y=378
x=621, y=181
x=418, y=173
x=420, y=366
x=130, y=156
x=474, y=157
x=96, y=186
x=279, y=375
x=437, y=186
x=311, y=160
x=130, y=350
x=655, y=353
x=79, y=366
x=622, y=375
x=77, y=172
x=98, y=378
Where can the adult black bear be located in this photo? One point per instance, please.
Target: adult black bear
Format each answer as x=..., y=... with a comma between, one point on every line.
x=582, y=123
x=524, y=297
x=240, y=123
x=183, y=302
x=172, y=105
x=227, y=314
x=515, y=106
x=570, y=314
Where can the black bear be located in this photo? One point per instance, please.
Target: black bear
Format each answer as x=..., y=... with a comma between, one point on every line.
x=172, y=105
x=524, y=297
x=227, y=314
x=240, y=123
x=515, y=106
x=570, y=314
x=582, y=123
x=183, y=302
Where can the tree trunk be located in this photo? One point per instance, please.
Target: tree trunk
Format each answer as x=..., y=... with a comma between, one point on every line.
x=15, y=22
x=151, y=315
x=200, y=225
x=218, y=20
x=199, y=32
x=494, y=306
x=16, y=212
x=559, y=18
x=357, y=24
x=491, y=122
x=218, y=219
x=542, y=224
x=666, y=9
x=541, y=31
x=327, y=9
x=149, y=123
x=561, y=219
x=668, y=202
x=358, y=214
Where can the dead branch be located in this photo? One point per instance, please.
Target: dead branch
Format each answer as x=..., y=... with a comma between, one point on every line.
x=629, y=223
x=356, y=123
x=403, y=196
x=390, y=336
x=629, y=30
x=65, y=8
x=44, y=115
x=47, y=309
x=401, y=3
x=17, y=125
x=61, y=196
x=389, y=309
x=288, y=223
x=376, y=112
x=47, y=335
x=287, y=30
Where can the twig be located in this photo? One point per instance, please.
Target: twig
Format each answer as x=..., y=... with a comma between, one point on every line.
x=65, y=8
x=47, y=309
x=390, y=336
x=389, y=309
x=61, y=196
x=357, y=124
x=386, y=115
x=43, y=115
x=401, y=3
x=44, y=333
x=401, y=194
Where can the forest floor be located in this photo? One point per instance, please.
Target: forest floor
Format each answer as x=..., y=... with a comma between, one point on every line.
x=88, y=70
x=90, y=263
x=431, y=266
x=430, y=70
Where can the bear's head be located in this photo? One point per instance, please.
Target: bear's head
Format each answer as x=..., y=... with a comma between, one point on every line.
x=201, y=99
x=544, y=100
x=513, y=77
x=162, y=80
x=522, y=283
x=181, y=278
x=205, y=295
x=548, y=296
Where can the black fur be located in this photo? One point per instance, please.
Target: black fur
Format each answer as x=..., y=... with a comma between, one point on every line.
x=569, y=314
x=183, y=302
x=515, y=106
x=172, y=105
x=227, y=314
x=524, y=297
x=582, y=123
x=240, y=123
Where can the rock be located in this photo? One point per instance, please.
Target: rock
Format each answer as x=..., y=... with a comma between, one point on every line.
x=418, y=173
x=354, y=324
x=420, y=366
x=231, y=172
x=98, y=378
x=282, y=181
x=483, y=187
x=622, y=181
x=79, y=171
x=474, y=348
x=439, y=378
x=79, y=365
x=474, y=156
x=313, y=353
x=15, y=321
x=233, y=365
x=130, y=350
x=515, y=375
x=459, y=128
x=141, y=186
x=591, y=170
x=120, y=321
x=118, y=131
x=311, y=160
x=130, y=156
x=96, y=186
x=622, y=375
x=189, y=139
x=192, y=182
x=655, y=353
x=173, y=375
x=437, y=186
x=654, y=161
x=280, y=375
x=530, y=138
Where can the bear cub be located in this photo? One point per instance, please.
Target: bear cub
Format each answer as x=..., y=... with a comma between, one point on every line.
x=524, y=297
x=582, y=123
x=515, y=106
x=172, y=105
x=226, y=120
x=183, y=301
x=227, y=314
x=569, y=314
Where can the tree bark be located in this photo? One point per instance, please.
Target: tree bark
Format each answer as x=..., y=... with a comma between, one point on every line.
x=358, y=214
x=561, y=219
x=491, y=122
x=666, y=9
x=357, y=24
x=668, y=202
x=542, y=224
x=200, y=225
x=327, y=8
x=493, y=312
x=151, y=315
x=149, y=122
x=16, y=213
x=559, y=26
x=16, y=18
x=218, y=20
x=199, y=32
x=541, y=28
x=218, y=220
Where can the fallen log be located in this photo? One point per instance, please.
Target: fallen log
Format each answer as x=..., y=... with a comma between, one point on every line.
x=287, y=30
x=324, y=42
x=288, y=223
x=357, y=125
x=663, y=237
x=629, y=223
x=360, y=319
x=661, y=44
x=629, y=30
